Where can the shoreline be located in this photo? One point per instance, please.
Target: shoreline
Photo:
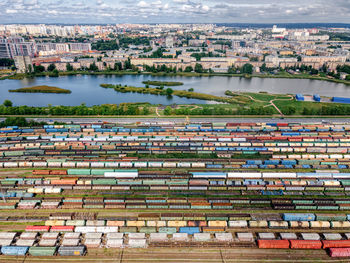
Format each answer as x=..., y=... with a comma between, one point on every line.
x=181, y=74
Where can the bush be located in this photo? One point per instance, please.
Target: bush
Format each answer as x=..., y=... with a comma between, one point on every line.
x=8, y=103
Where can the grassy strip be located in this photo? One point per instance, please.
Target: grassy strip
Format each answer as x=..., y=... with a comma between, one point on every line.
x=179, y=93
x=41, y=89
x=162, y=83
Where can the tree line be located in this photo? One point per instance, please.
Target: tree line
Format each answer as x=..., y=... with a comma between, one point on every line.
x=106, y=109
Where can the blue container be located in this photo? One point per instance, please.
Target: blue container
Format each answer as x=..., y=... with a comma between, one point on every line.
x=317, y=98
x=254, y=162
x=189, y=230
x=299, y=97
x=340, y=100
x=288, y=162
x=14, y=251
x=272, y=162
x=299, y=217
x=248, y=166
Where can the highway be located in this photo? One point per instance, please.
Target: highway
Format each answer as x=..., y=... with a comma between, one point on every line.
x=182, y=120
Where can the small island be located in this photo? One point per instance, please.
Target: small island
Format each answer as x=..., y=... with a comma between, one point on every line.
x=42, y=89
x=162, y=83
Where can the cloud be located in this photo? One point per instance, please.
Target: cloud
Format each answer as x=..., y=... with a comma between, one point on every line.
x=11, y=11
x=173, y=11
x=142, y=4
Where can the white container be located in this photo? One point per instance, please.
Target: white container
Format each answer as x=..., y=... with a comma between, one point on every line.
x=92, y=242
x=137, y=243
x=224, y=237
x=7, y=235
x=40, y=164
x=137, y=235
x=5, y=242
x=158, y=237
x=95, y=223
x=244, y=175
x=115, y=235
x=310, y=236
x=93, y=235
x=320, y=224
x=49, y=235
x=266, y=235
x=107, y=229
x=201, y=237
x=238, y=224
x=68, y=242
x=279, y=175
x=71, y=235
x=85, y=229
x=25, y=242
x=121, y=174
x=245, y=237
x=288, y=236
x=68, y=165
x=332, y=236
x=183, y=237
x=28, y=235
x=114, y=243
x=10, y=165
x=47, y=242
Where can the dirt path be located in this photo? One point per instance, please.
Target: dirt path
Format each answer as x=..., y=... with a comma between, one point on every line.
x=157, y=112
x=271, y=102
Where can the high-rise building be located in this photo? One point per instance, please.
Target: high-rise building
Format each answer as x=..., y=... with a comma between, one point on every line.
x=15, y=46
x=23, y=63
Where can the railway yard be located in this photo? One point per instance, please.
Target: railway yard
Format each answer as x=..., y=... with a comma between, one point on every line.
x=176, y=192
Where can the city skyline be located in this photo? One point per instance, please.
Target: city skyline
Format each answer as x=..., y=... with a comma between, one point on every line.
x=174, y=11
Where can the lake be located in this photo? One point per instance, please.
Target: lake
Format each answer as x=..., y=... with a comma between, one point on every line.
x=86, y=89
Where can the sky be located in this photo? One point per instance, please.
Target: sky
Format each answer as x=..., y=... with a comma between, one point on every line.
x=174, y=11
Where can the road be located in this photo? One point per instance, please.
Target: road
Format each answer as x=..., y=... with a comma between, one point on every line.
x=182, y=120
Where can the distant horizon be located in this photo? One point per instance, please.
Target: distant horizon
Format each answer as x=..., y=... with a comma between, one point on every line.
x=228, y=24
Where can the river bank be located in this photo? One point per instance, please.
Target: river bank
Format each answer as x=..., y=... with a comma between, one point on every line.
x=282, y=75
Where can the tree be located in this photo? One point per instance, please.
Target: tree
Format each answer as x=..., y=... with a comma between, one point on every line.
x=8, y=103
x=263, y=67
x=51, y=67
x=198, y=68
x=127, y=64
x=39, y=69
x=231, y=70
x=247, y=68
x=118, y=66
x=69, y=67
x=169, y=91
x=30, y=68
x=54, y=73
x=167, y=110
x=188, y=69
x=93, y=67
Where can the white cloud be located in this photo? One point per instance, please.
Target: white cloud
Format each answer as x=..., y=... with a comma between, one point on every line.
x=11, y=11
x=142, y=4
x=205, y=8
